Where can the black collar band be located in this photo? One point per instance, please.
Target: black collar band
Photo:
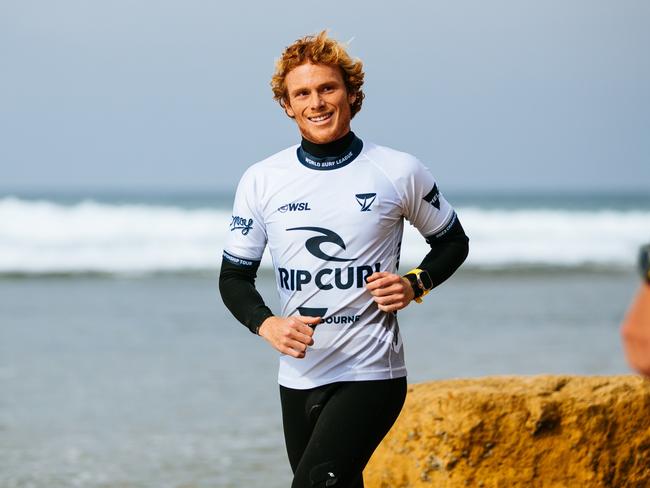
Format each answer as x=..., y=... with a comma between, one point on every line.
x=351, y=147
x=329, y=149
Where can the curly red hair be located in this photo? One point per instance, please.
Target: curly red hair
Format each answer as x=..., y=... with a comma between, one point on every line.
x=319, y=49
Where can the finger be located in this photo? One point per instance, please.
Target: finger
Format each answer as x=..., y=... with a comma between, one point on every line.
x=292, y=352
x=376, y=275
x=393, y=307
x=306, y=327
x=294, y=348
x=306, y=330
x=387, y=300
x=378, y=282
x=395, y=288
x=302, y=337
x=306, y=319
x=388, y=279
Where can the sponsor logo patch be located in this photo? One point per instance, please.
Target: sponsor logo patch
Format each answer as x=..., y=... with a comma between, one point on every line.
x=328, y=236
x=294, y=207
x=241, y=223
x=312, y=312
x=341, y=278
x=333, y=319
x=366, y=200
x=433, y=197
x=326, y=278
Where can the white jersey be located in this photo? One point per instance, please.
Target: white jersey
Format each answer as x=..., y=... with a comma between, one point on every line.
x=329, y=223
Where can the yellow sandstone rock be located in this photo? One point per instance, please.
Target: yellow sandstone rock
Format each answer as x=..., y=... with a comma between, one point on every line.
x=508, y=432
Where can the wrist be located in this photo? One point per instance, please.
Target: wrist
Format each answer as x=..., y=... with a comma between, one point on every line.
x=413, y=285
x=259, y=330
x=421, y=283
x=408, y=289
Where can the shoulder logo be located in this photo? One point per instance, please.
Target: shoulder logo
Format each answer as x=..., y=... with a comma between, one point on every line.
x=328, y=236
x=433, y=197
x=366, y=200
x=241, y=223
x=294, y=207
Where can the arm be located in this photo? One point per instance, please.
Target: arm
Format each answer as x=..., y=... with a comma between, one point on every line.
x=289, y=335
x=636, y=332
x=393, y=292
x=238, y=292
x=447, y=253
x=241, y=260
x=636, y=326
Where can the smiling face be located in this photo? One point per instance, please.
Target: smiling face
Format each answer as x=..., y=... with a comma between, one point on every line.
x=317, y=99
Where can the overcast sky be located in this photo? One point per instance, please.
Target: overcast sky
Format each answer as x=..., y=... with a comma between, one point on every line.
x=175, y=94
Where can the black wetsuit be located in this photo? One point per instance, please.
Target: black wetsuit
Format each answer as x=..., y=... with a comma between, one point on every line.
x=332, y=430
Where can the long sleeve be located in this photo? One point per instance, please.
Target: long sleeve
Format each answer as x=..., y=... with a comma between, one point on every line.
x=448, y=252
x=238, y=292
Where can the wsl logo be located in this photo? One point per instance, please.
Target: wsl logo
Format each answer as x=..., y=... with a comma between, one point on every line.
x=294, y=207
x=366, y=200
x=341, y=278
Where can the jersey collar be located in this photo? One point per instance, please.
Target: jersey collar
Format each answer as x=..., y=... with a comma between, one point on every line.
x=331, y=162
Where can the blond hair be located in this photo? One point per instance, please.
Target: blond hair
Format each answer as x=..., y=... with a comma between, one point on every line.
x=319, y=49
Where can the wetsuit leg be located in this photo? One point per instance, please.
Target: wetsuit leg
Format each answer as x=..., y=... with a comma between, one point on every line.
x=332, y=431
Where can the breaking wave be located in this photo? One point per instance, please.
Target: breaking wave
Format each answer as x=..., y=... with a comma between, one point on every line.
x=87, y=237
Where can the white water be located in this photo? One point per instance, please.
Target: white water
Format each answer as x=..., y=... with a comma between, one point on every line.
x=44, y=237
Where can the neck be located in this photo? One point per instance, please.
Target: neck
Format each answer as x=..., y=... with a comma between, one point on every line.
x=328, y=149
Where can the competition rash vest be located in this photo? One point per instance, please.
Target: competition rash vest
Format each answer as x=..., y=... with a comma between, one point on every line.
x=329, y=223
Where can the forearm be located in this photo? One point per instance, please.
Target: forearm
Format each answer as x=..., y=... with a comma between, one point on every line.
x=238, y=292
x=447, y=253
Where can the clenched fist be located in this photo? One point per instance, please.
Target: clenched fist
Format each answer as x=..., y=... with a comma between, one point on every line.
x=390, y=291
x=289, y=335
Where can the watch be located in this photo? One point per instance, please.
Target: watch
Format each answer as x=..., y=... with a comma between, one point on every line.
x=421, y=283
x=644, y=262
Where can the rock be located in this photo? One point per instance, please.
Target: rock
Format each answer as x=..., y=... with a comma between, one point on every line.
x=508, y=432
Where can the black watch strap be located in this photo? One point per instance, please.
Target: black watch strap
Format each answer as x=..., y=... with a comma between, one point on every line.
x=414, y=284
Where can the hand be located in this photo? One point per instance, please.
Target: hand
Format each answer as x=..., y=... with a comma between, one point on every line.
x=636, y=332
x=289, y=335
x=390, y=291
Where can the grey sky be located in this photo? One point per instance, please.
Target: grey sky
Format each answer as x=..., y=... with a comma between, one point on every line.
x=160, y=94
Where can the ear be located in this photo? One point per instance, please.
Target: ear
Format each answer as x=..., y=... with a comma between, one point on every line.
x=352, y=97
x=288, y=109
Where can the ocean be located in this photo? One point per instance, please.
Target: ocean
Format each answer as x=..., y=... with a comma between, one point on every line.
x=120, y=366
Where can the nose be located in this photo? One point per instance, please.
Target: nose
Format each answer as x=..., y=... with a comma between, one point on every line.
x=316, y=101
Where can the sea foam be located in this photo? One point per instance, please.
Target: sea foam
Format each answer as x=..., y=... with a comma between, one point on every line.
x=47, y=237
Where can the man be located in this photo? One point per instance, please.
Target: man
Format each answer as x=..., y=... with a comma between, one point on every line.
x=636, y=326
x=331, y=211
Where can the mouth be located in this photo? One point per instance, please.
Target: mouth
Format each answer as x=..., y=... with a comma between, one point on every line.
x=321, y=117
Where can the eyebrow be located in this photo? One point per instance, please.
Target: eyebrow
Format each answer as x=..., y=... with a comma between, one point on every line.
x=324, y=84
